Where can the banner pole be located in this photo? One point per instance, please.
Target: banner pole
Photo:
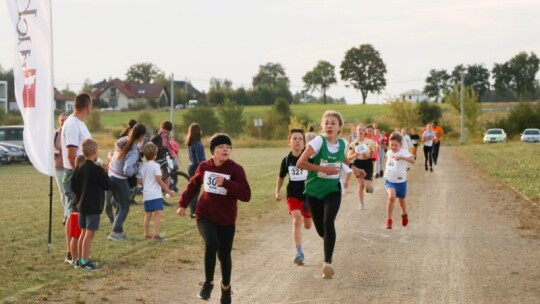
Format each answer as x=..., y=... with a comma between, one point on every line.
x=50, y=213
x=51, y=153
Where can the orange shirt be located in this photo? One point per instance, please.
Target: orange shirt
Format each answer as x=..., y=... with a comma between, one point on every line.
x=439, y=131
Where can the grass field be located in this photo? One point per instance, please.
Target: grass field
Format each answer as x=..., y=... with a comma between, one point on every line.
x=29, y=273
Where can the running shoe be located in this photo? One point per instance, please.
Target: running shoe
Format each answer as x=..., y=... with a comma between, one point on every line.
x=147, y=237
x=226, y=295
x=328, y=271
x=362, y=206
x=158, y=238
x=299, y=258
x=76, y=264
x=431, y=169
x=117, y=236
x=404, y=219
x=88, y=266
x=68, y=259
x=388, y=223
x=206, y=290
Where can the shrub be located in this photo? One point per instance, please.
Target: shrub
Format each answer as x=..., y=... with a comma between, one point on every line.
x=472, y=107
x=524, y=115
x=94, y=121
x=204, y=116
x=428, y=112
x=403, y=113
x=232, y=117
x=146, y=119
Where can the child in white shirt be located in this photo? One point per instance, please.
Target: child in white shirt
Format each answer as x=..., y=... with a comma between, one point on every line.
x=150, y=177
x=397, y=160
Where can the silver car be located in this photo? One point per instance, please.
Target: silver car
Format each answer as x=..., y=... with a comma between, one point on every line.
x=14, y=153
x=494, y=135
x=530, y=135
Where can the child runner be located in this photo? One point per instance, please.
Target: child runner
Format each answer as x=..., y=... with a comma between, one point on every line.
x=296, y=200
x=324, y=157
x=414, y=139
x=149, y=177
x=427, y=138
x=89, y=183
x=73, y=229
x=224, y=182
x=360, y=153
x=397, y=160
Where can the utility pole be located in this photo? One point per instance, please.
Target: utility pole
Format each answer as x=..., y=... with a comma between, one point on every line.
x=185, y=88
x=462, y=110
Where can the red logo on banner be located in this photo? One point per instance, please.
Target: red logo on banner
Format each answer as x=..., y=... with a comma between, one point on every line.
x=29, y=88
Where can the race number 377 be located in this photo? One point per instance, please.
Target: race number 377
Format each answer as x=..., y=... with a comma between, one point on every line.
x=210, y=183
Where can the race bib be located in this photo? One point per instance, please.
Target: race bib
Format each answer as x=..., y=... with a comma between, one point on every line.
x=297, y=174
x=210, y=184
x=414, y=141
x=326, y=176
x=362, y=149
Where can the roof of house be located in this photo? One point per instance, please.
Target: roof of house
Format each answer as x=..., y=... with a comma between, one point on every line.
x=58, y=96
x=412, y=92
x=131, y=90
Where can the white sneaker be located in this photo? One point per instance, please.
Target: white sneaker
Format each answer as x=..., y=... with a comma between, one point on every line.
x=362, y=206
x=328, y=271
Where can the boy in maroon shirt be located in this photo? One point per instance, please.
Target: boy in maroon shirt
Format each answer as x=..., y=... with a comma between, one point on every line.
x=224, y=182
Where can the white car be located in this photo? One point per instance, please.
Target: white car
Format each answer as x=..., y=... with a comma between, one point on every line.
x=494, y=135
x=530, y=135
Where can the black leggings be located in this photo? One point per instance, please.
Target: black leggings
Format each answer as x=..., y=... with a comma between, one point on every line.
x=324, y=214
x=435, y=153
x=428, y=155
x=217, y=239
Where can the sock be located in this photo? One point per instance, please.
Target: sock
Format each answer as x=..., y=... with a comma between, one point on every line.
x=298, y=248
x=84, y=261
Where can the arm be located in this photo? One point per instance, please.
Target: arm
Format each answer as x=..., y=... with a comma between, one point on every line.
x=409, y=159
x=237, y=188
x=303, y=163
x=103, y=179
x=199, y=153
x=192, y=189
x=351, y=154
x=72, y=155
x=279, y=184
x=163, y=186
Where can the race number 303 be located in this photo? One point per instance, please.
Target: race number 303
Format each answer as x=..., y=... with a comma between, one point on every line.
x=210, y=183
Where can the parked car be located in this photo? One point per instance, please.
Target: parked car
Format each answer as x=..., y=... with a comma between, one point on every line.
x=494, y=135
x=180, y=106
x=12, y=135
x=4, y=156
x=530, y=135
x=15, y=153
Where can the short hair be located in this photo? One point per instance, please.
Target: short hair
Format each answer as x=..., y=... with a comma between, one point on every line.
x=167, y=125
x=150, y=150
x=301, y=131
x=370, y=126
x=82, y=100
x=88, y=146
x=397, y=137
x=310, y=129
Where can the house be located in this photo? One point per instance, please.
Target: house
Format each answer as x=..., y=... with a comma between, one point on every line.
x=118, y=94
x=192, y=92
x=414, y=96
x=62, y=103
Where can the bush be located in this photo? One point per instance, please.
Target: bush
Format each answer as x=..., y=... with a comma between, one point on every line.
x=524, y=115
x=232, y=117
x=429, y=112
x=94, y=121
x=403, y=114
x=472, y=107
x=204, y=116
x=146, y=119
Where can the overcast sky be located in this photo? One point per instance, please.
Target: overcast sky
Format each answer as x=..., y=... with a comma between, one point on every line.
x=97, y=39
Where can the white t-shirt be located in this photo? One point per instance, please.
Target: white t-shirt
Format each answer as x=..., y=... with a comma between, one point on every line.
x=74, y=132
x=316, y=144
x=407, y=142
x=429, y=136
x=148, y=172
x=396, y=171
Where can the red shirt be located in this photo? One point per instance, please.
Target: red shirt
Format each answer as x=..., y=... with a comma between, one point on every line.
x=218, y=208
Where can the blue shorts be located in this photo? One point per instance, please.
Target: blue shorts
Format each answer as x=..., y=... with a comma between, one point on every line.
x=400, y=188
x=153, y=205
x=89, y=221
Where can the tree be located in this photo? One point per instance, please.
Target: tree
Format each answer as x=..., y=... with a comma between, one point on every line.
x=8, y=76
x=232, y=117
x=364, y=68
x=87, y=86
x=437, y=84
x=68, y=92
x=271, y=75
x=524, y=68
x=476, y=77
x=503, y=76
x=472, y=107
x=145, y=73
x=320, y=78
x=403, y=113
x=428, y=112
x=204, y=116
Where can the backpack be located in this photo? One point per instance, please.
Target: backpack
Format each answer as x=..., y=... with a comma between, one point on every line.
x=163, y=157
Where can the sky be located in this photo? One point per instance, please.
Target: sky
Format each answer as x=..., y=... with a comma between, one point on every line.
x=198, y=40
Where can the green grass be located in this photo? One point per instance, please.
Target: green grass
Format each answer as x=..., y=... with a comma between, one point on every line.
x=30, y=273
x=513, y=163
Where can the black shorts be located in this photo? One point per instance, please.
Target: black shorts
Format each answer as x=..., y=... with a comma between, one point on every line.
x=366, y=165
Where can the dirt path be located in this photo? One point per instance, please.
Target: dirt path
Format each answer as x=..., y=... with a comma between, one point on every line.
x=462, y=246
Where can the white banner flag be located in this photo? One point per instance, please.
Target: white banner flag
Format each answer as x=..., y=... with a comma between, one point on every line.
x=33, y=78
